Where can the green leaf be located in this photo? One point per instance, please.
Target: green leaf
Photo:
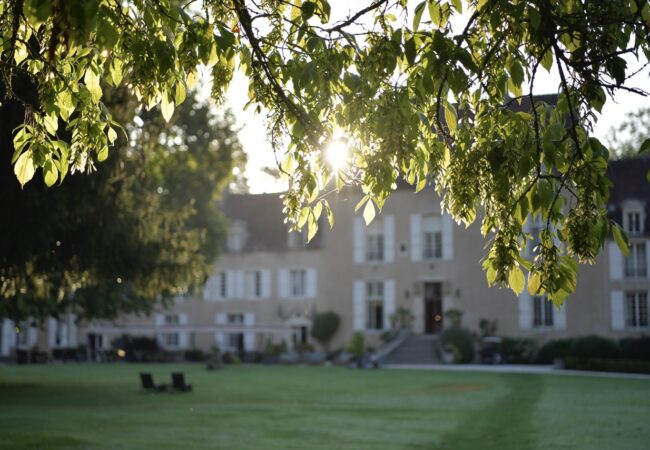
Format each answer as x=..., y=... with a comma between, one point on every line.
x=330, y=215
x=369, y=212
x=450, y=118
x=167, y=107
x=179, y=94
x=516, y=280
x=534, y=283
x=91, y=80
x=24, y=168
x=102, y=154
x=417, y=17
x=645, y=147
x=112, y=135
x=304, y=215
x=621, y=239
x=50, y=173
x=308, y=9
x=547, y=60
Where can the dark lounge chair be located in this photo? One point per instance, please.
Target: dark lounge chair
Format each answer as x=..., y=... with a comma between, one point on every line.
x=178, y=383
x=148, y=385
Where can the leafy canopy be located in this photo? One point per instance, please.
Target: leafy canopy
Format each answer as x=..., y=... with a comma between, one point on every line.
x=415, y=97
x=145, y=228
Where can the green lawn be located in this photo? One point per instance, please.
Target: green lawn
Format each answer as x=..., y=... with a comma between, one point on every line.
x=253, y=407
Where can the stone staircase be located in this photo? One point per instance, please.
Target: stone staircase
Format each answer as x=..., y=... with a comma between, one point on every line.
x=416, y=349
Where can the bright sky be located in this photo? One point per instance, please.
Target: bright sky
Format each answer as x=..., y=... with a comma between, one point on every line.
x=260, y=154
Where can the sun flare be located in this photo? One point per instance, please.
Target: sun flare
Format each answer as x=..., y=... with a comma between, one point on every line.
x=337, y=154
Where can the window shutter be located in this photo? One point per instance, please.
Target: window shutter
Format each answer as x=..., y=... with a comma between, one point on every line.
x=51, y=332
x=311, y=283
x=389, y=302
x=416, y=237
x=617, y=310
x=615, y=262
x=160, y=320
x=249, y=337
x=212, y=288
x=647, y=258
x=220, y=319
x=283, y=283
x=559, y=317
x=182, y=319
x=72, y=331
x=249, y=342
x=447, y=237
x=266, y=283
x=358, y=310
x=183, y=340
x=32, y=336
x=239, y=284
x=8, y=336
x=220, y=340
x=359, y=240
x=231, y=284
x=525, y=311
x=389, y=239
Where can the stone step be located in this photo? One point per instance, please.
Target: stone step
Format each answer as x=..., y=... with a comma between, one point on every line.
x=416, y=349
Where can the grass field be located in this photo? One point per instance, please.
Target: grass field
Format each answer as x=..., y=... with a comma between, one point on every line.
x=246, y=407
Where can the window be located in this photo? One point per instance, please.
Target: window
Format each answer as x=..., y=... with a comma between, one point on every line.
x=170, y=340
x=236, y=236
x=432, y=236
x=61, y=334
x=432, y=245
x=253, y=284
x=535, y=227
x=636, y=309
x=297, y=239
x=223, y=284
x=235, y=319
x=236, y=342
x=375, y=305
x=171, y=319
x=634, y=217
x=298, y=283
x=375, y=247
x=542, y=312
x=635, y=262
x=22, y=339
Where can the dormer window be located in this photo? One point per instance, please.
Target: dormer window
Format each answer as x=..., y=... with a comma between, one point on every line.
x=297, y=239
x=237, y=236
x=634, y=218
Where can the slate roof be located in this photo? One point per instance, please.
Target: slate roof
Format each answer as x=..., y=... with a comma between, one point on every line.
x=630, y=183
x=264, y=219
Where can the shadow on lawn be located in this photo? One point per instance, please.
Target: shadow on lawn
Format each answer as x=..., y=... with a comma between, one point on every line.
x=507, y=423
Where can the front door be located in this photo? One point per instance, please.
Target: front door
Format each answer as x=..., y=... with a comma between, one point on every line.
x=432, y=308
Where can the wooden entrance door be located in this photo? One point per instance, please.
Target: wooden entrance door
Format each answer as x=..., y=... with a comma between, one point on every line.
x=432, y=308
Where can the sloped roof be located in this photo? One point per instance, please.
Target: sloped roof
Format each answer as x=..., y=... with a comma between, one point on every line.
x=630, y=183
x=264, y=221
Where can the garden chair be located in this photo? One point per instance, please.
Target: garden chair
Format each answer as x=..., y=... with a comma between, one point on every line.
x=178, y=383
x=148, y=385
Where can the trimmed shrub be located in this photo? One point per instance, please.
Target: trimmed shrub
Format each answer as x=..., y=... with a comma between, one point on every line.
x=356, y=345
x=594, y=347
x=195, y=355
x=518, y=350
x=557, y=348
x=325, y=326
x=636, y=349
x=607, y=365
x=462, y=341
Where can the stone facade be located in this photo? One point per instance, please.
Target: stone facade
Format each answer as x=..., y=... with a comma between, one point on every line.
x=267, y=285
